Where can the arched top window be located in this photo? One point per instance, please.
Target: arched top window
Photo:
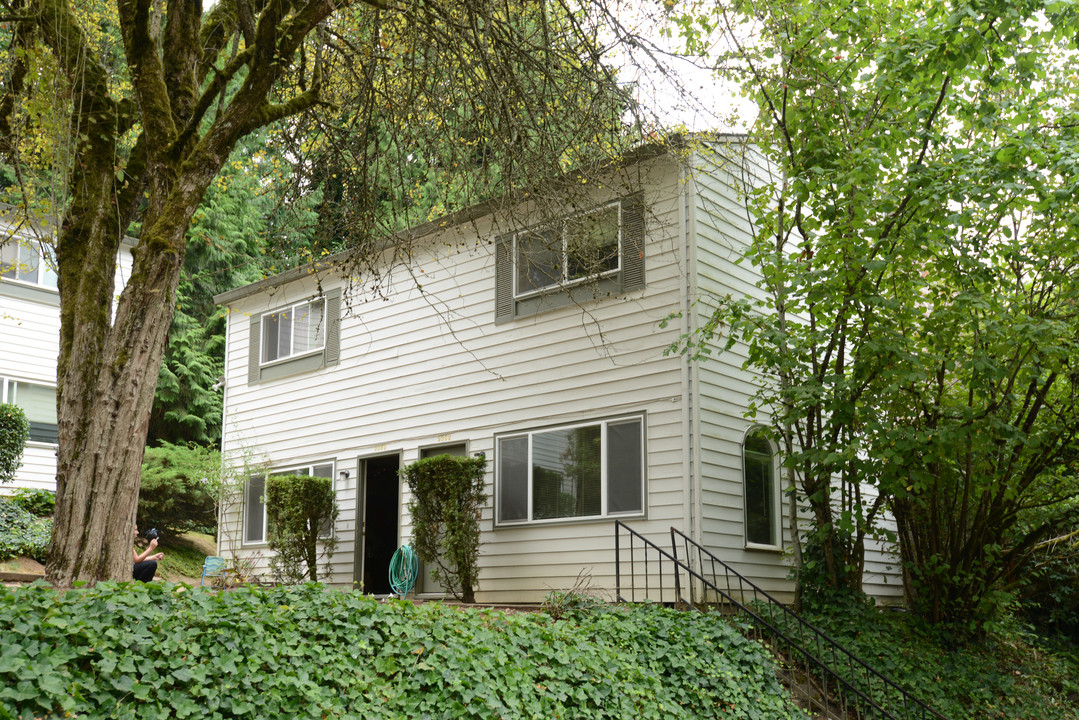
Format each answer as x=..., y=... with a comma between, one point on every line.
x=760, y=490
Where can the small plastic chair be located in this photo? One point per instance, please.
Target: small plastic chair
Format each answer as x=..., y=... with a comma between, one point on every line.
x=213, y=568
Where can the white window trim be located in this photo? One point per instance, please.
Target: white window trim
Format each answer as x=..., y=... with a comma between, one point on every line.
x=42, y=260
x=263, y=362
x=565, y=283
x=604, y=514
x=5, y=384
x=777, y=496
x=291, y=469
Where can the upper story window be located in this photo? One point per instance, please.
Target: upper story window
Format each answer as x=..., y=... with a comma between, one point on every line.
x=294, y=339
x=28, y=261
x=577, y=258
x=578, y=248
x=38, y=401
x=591, y=470
x=296, y=330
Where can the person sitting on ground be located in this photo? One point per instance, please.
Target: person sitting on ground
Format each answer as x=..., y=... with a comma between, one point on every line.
x=145, y=564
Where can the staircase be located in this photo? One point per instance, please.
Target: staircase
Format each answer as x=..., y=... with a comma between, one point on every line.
x=826, y=677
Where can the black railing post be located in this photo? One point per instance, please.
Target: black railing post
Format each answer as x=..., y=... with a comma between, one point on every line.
x=852, y=693
x=617, y=563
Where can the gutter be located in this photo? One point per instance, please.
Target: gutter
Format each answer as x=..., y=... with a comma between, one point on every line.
x=338, y=262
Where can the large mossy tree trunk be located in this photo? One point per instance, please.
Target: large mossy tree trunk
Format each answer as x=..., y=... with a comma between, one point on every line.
x=109, y=360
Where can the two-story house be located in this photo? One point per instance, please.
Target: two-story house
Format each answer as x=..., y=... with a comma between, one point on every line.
x=30, y=338
x=530, y=331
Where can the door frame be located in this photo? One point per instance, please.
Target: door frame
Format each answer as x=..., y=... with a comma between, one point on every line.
x=361, y=510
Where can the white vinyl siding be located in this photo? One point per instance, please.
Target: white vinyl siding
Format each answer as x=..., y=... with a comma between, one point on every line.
x=429, y=368
x=30, y=327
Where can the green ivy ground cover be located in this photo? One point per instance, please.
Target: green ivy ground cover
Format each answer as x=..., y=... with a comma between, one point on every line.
x=1006, y=676
x=159, y=650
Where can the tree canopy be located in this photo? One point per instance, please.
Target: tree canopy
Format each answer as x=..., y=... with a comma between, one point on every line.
x=918, y=248
x=118, y=117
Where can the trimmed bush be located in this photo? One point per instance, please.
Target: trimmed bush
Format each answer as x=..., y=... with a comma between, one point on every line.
x=14, y=432
x=446, y=496
x=157, y=651
x=22, y=533
x=178, y=486
x=300, y=512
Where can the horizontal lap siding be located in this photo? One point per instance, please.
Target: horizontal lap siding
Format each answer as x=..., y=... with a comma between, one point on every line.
x=29, y=345
x=432, y=368
x=723, y=232
x=724, y=389
x=29, y=348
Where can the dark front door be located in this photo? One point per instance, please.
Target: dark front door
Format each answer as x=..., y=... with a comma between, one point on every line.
x=381, y=511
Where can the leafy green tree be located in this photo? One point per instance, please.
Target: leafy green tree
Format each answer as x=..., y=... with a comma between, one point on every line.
x=151, y=99
x=14, y=432
x=446, y=494
x=179, y=488
x=225, y=249
x=917, y=243
x=300, y=513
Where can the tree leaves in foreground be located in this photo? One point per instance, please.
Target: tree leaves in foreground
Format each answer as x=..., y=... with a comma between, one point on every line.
x=918, y=239
x=163, y=651
x=151, y=99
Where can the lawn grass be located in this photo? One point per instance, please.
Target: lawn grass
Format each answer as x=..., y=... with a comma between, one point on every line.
x=184, y=554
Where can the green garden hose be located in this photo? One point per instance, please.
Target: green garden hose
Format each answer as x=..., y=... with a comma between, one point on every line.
x=404, y=567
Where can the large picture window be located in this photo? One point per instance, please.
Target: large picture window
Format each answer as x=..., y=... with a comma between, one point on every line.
x=254, y=510
x=590, y=470
x=576, y=258
x=761, y=496
x=38, y=401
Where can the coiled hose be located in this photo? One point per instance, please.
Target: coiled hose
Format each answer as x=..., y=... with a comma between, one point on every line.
x=404, y=567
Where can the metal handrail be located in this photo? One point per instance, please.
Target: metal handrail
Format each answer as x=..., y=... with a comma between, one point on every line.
x=819, y=655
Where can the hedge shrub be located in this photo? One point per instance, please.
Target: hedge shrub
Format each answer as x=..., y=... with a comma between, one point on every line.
x=14, y=432
x=446, y=496
x=300, y=512
x=163, y=651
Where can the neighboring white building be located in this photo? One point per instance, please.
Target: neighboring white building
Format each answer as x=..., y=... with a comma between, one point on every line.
x=483, y=345
x=30, y=340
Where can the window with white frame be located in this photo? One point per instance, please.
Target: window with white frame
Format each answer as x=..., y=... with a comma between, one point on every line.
x=302, y=337
x=760, y=490
x=293, y=331
x=28, y=261
x=580, y=247
x=588, y=470
x=254, y=507
x=576, y=258
x=38, y=401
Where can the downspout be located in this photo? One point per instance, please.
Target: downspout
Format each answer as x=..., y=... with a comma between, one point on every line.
x=224, y=435
x=690, y=449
